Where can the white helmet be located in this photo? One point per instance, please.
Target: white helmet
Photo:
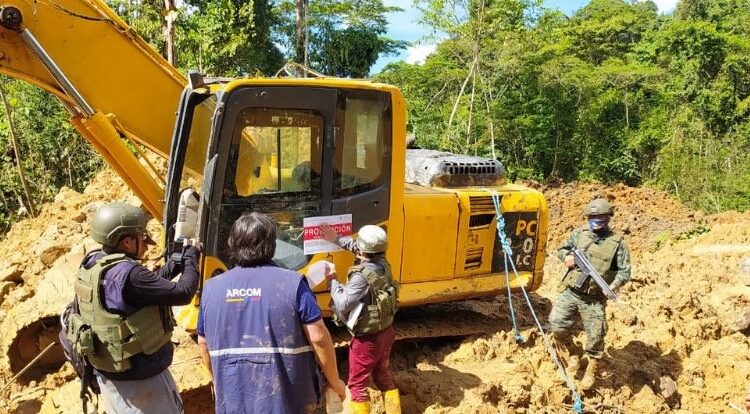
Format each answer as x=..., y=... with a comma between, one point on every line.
x=372, y=239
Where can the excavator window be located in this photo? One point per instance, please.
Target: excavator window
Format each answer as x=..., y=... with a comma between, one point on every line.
x=195, y=155
x=359, y=162
x=274, y=168
x=273, y=152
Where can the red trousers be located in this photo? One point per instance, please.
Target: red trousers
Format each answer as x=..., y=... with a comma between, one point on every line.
x=370, y=355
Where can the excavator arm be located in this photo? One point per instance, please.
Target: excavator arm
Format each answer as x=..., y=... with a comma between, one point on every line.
x=116, y=87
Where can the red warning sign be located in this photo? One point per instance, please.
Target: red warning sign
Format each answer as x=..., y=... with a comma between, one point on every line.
x=313, y=236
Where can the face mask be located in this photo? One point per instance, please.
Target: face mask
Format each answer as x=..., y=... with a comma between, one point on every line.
x=598, y=224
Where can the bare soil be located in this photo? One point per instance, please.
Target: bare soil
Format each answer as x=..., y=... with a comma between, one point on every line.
x=678, y=343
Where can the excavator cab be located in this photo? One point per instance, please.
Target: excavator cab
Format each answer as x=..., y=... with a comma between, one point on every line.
x=287, y=150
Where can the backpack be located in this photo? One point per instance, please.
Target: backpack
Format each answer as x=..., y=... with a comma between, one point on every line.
x=84, y=370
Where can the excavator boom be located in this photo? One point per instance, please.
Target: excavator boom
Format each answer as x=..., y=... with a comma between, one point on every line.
x=83, y=53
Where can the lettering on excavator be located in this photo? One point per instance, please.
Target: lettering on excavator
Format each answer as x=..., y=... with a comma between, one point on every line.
x=529, y=227
x=526, y=231
x=523, y=228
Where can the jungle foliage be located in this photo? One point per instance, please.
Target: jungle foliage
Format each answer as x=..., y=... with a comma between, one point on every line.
x=617, y=92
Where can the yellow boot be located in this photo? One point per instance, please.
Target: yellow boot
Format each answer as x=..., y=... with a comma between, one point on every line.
x=392, y=402
x=359, y=407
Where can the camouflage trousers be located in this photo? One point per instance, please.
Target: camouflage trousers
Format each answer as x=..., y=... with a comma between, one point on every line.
x=593, y=316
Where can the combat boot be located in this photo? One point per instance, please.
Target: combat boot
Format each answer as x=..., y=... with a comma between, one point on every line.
x=359, y=407
x=588, y=380
x=563, y=346
x=392, y=402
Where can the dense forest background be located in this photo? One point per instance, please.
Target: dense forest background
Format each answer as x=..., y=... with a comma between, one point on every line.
x=616, y=92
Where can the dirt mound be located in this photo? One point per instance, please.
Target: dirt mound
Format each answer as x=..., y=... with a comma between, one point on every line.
x=679, y=343
x=28, y=254
x=647, y=217
x=32, y=246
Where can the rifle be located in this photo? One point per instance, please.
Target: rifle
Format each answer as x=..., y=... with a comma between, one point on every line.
x=587, y=270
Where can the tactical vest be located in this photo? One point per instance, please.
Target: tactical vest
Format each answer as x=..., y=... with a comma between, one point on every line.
x=601, y=252
x=107, y=339
x=383, y=300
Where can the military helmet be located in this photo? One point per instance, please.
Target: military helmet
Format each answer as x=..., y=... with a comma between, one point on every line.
x=113, y=221
x=599, y=206
x=372, y=239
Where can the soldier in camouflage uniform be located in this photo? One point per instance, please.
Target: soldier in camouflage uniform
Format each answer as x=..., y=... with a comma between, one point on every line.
x=608, y=253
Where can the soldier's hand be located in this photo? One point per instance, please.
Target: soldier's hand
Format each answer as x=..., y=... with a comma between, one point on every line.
x=193, y=242
x=329, y=234
x=330, y=273
x=570, y=261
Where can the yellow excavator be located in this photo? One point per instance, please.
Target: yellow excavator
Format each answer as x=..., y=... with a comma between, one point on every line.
x=293, y=148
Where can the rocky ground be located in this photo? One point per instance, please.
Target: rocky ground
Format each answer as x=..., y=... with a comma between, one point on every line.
x=678, y=342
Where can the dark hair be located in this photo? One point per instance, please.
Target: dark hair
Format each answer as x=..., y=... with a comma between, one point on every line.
x=252, y=240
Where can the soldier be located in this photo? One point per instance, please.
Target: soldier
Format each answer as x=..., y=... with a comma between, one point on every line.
x=124, y=321
x=608, y=253
x=371, y=288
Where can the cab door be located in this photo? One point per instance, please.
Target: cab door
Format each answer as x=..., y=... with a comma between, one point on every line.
x=272, y=145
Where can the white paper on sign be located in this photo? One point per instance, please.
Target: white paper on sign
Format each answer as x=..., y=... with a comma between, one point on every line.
x=313, y=236
x=316, y=274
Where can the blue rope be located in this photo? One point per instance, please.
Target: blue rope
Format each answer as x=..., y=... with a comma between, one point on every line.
x=508, y=253
x=500, y=223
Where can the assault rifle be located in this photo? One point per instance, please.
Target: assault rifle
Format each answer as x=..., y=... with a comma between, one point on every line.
x=587, y=271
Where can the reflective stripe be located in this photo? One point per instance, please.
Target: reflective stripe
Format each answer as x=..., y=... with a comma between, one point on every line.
x=265, y=350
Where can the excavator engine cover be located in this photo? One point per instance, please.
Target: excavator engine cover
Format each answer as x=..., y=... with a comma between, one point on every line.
x=442, y=169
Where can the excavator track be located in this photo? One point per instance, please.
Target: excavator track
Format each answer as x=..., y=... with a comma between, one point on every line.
x=444, y=320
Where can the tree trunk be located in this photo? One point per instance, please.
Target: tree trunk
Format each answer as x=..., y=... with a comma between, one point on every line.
x=300, y=52
x=471, y=108
x=170, y=14
x=16, y=149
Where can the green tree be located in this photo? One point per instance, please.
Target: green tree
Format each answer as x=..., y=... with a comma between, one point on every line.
x=228, y=37
x=52, y=153
x=345, y=37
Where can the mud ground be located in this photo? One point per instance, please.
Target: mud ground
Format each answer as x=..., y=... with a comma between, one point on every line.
x=678, y=343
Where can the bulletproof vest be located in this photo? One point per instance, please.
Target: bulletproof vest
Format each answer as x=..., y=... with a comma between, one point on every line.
x=600, y=251
x=108, y=339
x=383, y=299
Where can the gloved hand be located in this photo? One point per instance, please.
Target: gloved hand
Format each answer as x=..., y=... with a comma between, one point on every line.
x=192, y=242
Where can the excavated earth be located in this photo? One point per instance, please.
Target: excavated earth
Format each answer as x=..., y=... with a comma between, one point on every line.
x=677, y=342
